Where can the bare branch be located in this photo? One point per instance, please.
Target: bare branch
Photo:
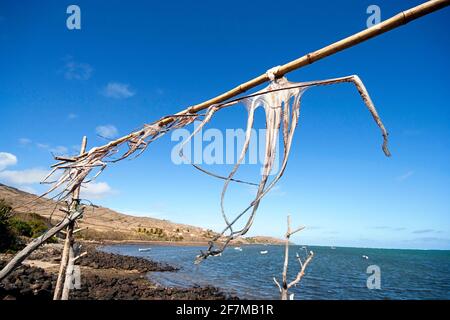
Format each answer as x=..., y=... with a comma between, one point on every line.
x=302, y=270
x=296, y=230
x=80, y=229
x=277, y=283
x=79, y=256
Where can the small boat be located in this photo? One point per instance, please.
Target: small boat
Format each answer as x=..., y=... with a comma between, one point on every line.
x=365, y=257
x=238, y=248
x=333, y=248
x=144, y=249
x=264, y=252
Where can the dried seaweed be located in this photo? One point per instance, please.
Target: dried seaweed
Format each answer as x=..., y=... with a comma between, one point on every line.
x=280, y=101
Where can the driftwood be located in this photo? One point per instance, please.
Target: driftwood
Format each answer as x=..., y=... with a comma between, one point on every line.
x=68, y=243
x=285, y=285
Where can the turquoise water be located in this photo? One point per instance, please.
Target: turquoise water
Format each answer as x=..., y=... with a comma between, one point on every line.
x=338, y=273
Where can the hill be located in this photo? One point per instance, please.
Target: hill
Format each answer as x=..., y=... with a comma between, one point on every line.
x=106, y=224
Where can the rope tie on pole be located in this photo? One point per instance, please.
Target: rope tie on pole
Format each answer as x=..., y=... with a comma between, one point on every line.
x=271, y=73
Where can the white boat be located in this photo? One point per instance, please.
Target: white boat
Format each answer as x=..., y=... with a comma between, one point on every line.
x=144, y=249
x=332, y=248
x=264, y=252
x=365, y=257
x=238, y=248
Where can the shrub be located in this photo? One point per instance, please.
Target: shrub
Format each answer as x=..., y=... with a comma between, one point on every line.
x=21, y=228
x=29, y=225
x=8, y=239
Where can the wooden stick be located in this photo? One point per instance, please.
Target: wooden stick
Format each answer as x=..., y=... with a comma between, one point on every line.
x=80, y=229
x=80, y=256
x=65, y=256
x=286, y=260
x=394, y=22
x=68, y=273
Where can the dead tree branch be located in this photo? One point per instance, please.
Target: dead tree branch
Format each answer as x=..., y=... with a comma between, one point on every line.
x=285, y=286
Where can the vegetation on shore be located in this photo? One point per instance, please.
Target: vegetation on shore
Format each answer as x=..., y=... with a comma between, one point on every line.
x=15, y=227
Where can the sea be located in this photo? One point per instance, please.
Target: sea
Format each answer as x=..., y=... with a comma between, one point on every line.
x=337, y=273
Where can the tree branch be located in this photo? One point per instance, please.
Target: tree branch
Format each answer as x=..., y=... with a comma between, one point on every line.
x=302, y=270
x=277, y=283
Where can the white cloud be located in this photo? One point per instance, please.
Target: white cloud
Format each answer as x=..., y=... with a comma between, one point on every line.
x=405, y=176
x=96, y=190
x=118, y=90
x=107, y=131
x=59, y=150
x=72, y=116
x=24, y=141
x=42, y=145
x=21, y=177
x=76, y=70
x=7, y=159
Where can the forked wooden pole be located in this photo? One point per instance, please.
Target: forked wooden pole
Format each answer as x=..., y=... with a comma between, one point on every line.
x=65, y=256
x=285, y=285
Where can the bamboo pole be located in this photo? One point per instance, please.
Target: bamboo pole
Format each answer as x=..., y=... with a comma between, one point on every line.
x=65, y=256
x=385, y=26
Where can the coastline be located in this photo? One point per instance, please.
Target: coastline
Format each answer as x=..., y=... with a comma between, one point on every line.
x=150, y=242
x=103, y=276
x=175, y=243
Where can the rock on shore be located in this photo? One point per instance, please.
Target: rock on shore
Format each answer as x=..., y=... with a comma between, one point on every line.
x=104, y=276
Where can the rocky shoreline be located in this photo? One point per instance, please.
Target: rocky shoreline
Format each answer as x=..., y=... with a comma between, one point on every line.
x=104, y=276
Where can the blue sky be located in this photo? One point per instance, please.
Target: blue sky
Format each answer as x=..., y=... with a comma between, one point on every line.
x=133, y=62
